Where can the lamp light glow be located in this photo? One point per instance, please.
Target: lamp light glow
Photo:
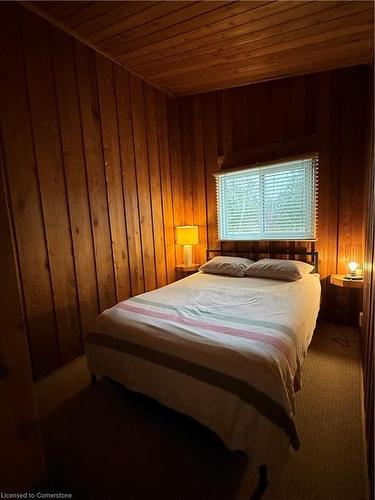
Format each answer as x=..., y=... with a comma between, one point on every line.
x=353, y=266
x=187, y=236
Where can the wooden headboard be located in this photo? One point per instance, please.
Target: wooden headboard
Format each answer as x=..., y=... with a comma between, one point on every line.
x=311, y=257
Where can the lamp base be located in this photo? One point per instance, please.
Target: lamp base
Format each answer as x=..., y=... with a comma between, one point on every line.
x=354, y=277
x=188, y=261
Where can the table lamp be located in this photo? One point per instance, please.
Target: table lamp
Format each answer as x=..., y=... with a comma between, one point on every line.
x=353, y=273
x=353, y=257
x=187, y=236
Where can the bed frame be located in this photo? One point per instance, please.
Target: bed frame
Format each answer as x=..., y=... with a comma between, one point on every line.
x=304, y=255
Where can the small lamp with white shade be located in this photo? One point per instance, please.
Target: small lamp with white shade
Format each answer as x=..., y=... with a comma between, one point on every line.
x=187, y=236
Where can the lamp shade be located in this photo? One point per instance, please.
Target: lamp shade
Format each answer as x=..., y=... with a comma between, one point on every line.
x=187, y=235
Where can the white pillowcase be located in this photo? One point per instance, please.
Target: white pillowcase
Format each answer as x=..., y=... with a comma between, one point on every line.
x=231, y=266
x=279, y=269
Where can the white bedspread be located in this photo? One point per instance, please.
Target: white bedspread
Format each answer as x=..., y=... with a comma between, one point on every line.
x=226, y=351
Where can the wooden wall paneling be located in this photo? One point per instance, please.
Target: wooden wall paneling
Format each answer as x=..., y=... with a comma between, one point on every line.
x=63, y=57
x=252, y=96
x=241, y=116
x=129, y=180
x=327, y=200
x=369, y=341
x=219, y=115
x=210, y=142
x=166, y=187
x=46, y=134
x=96, y=183
x=296, y=125
x=268, y=152
x=311, y=104
x=186, y=126
x=25, y=200
x=368, y=331
x=278, y=94
x=143, y=181
x=199, y=181
x=151, y=116
x=84, y=144
x=176, y=170
x=352, y=123
x=240, y=139
x=109, y=128
x=227, y=134
x=226, y=121
x=297, y=102
x=293, y=110
x=260, y=110
x=21, y=452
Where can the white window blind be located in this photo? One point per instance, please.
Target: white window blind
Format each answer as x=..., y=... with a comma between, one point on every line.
x=271, y=202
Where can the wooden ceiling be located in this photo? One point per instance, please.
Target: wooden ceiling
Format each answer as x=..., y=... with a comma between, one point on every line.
x=187, y=47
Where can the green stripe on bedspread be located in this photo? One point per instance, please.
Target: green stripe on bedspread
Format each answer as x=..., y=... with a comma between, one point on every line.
x=208, y=314
x=250, y=395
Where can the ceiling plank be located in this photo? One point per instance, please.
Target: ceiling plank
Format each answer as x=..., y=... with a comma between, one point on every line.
x=337, y=46
x=187, y=47
x=59, y=10
x=327, y=19
x=205, y=12
x=202, y=27
x=88, y=13
x=290, y=40
x=352, y=57
x=263, y=17
x=140, y=19
x=124, y=11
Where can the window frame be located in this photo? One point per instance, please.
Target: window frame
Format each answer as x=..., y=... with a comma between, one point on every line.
x=313, y=157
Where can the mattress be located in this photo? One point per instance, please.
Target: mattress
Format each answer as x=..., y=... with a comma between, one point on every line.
x=227, y=351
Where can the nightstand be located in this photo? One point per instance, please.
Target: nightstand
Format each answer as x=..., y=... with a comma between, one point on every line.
x=345, y=299
x=340, y=280
x=182, y=271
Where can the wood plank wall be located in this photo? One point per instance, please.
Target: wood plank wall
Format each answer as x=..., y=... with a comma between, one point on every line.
x=22, y=462
x=88, y=153
x=368, y=331
x=324, y=112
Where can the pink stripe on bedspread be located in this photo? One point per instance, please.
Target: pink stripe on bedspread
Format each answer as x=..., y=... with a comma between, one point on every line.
x=265, y=338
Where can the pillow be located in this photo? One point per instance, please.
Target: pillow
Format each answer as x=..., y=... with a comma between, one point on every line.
x=279, y=269
x=232, y=266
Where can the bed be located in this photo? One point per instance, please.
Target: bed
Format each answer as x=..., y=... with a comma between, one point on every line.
x=227, y=351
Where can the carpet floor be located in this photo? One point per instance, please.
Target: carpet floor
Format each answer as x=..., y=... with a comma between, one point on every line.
x=105, y=442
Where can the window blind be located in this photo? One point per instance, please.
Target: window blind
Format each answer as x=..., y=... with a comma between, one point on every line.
x=271, y=202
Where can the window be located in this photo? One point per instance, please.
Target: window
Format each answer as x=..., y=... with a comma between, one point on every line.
x=271, y=202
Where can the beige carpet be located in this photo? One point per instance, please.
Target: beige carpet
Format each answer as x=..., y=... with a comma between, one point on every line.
x=104, y=442
x=331, y=463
